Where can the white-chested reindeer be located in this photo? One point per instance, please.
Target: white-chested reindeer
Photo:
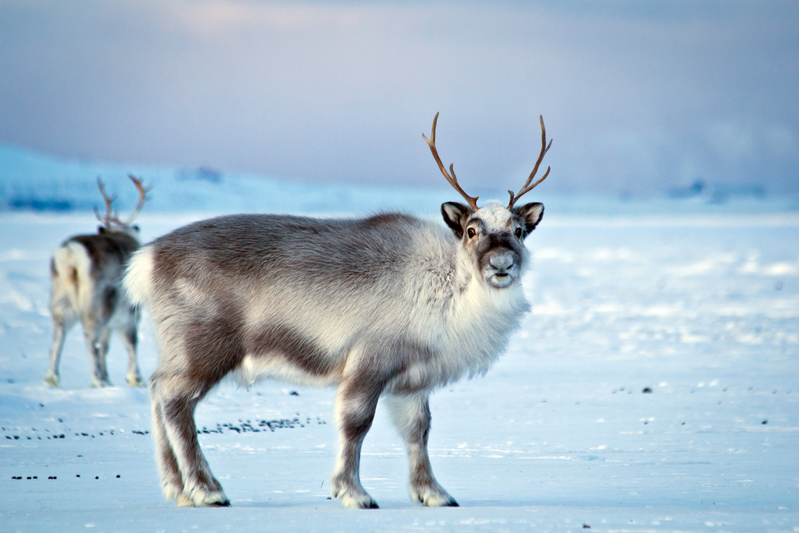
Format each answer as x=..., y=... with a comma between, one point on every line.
x=86, y=272
x=389, y=306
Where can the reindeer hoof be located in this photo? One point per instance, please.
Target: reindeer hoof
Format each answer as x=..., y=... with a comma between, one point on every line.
x=434, y=496
x=51, y=380
x=364, y=502
x=136, y=381
x=184, y=501
x=225, y=503
x=204, y=497
x=97, y=384
x=353, y=499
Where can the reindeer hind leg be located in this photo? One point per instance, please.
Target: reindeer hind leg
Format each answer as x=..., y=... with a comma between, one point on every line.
x=64, y=317
x=61, y=326
x=171, y=479
x=189, y=368
x=178, y=400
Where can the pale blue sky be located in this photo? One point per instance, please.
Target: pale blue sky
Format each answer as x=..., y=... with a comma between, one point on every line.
x=638, y=96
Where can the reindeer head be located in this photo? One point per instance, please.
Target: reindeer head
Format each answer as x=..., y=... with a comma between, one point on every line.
x=493, y=235
x=111, y=221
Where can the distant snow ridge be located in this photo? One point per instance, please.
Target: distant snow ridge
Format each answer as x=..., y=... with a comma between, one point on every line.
x=717, y=193
x=32, y=181
x=35, y=182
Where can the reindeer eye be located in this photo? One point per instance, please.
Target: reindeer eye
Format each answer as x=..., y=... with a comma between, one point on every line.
x=518, y=233
x=471, y=233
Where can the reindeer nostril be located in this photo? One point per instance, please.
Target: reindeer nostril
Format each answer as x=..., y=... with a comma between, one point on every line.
x=502, y=263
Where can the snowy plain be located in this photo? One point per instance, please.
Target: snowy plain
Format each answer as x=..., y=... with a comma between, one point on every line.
x=653, y=387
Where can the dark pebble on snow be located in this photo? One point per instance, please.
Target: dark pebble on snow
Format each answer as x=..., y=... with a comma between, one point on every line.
x=647, y=390
x=764, y=422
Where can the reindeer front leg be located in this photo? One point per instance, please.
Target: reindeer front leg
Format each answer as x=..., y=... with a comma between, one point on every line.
x=103, y=341
x=93, y=332
x=356, y=401
x=411, y=416
x=130, y=339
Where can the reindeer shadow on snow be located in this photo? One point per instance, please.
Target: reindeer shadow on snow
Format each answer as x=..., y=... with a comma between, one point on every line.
x=385, y=308
x=86, y=286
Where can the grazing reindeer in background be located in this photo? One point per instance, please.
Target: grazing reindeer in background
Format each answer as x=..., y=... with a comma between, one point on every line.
x=86, y=272
x=390, y=306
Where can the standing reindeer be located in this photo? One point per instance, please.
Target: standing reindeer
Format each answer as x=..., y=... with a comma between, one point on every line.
x=388, y=307
x=86, y=272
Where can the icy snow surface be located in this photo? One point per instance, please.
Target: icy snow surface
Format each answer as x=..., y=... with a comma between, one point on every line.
x=654, y=387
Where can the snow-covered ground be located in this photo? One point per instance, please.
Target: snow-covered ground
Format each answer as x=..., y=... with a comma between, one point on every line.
x=654, y=387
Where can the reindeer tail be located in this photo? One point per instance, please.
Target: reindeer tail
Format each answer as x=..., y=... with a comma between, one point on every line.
x=139, y=275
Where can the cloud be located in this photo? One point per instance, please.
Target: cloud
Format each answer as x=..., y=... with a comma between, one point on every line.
x=218, y=17
x=637, y=96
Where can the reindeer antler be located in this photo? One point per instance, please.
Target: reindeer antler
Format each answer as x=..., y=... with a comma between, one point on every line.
x=527, y=187
x=142, y=198
x=453, y=180
x=113, y=218
x=109, y=217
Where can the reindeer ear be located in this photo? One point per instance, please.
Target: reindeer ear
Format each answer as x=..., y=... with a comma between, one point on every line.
x=531, y=214
x=456, y=215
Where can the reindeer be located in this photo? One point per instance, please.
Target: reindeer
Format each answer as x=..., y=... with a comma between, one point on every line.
x=86, y=272
x=388, y=307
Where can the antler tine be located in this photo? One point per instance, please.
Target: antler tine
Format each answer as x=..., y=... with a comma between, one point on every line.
x=109, y=217
x=453, y=180
x=142, y=198
x=527, y=187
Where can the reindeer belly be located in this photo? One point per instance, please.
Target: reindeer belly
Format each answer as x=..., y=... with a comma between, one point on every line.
x=254, y=368
x=284, y=353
